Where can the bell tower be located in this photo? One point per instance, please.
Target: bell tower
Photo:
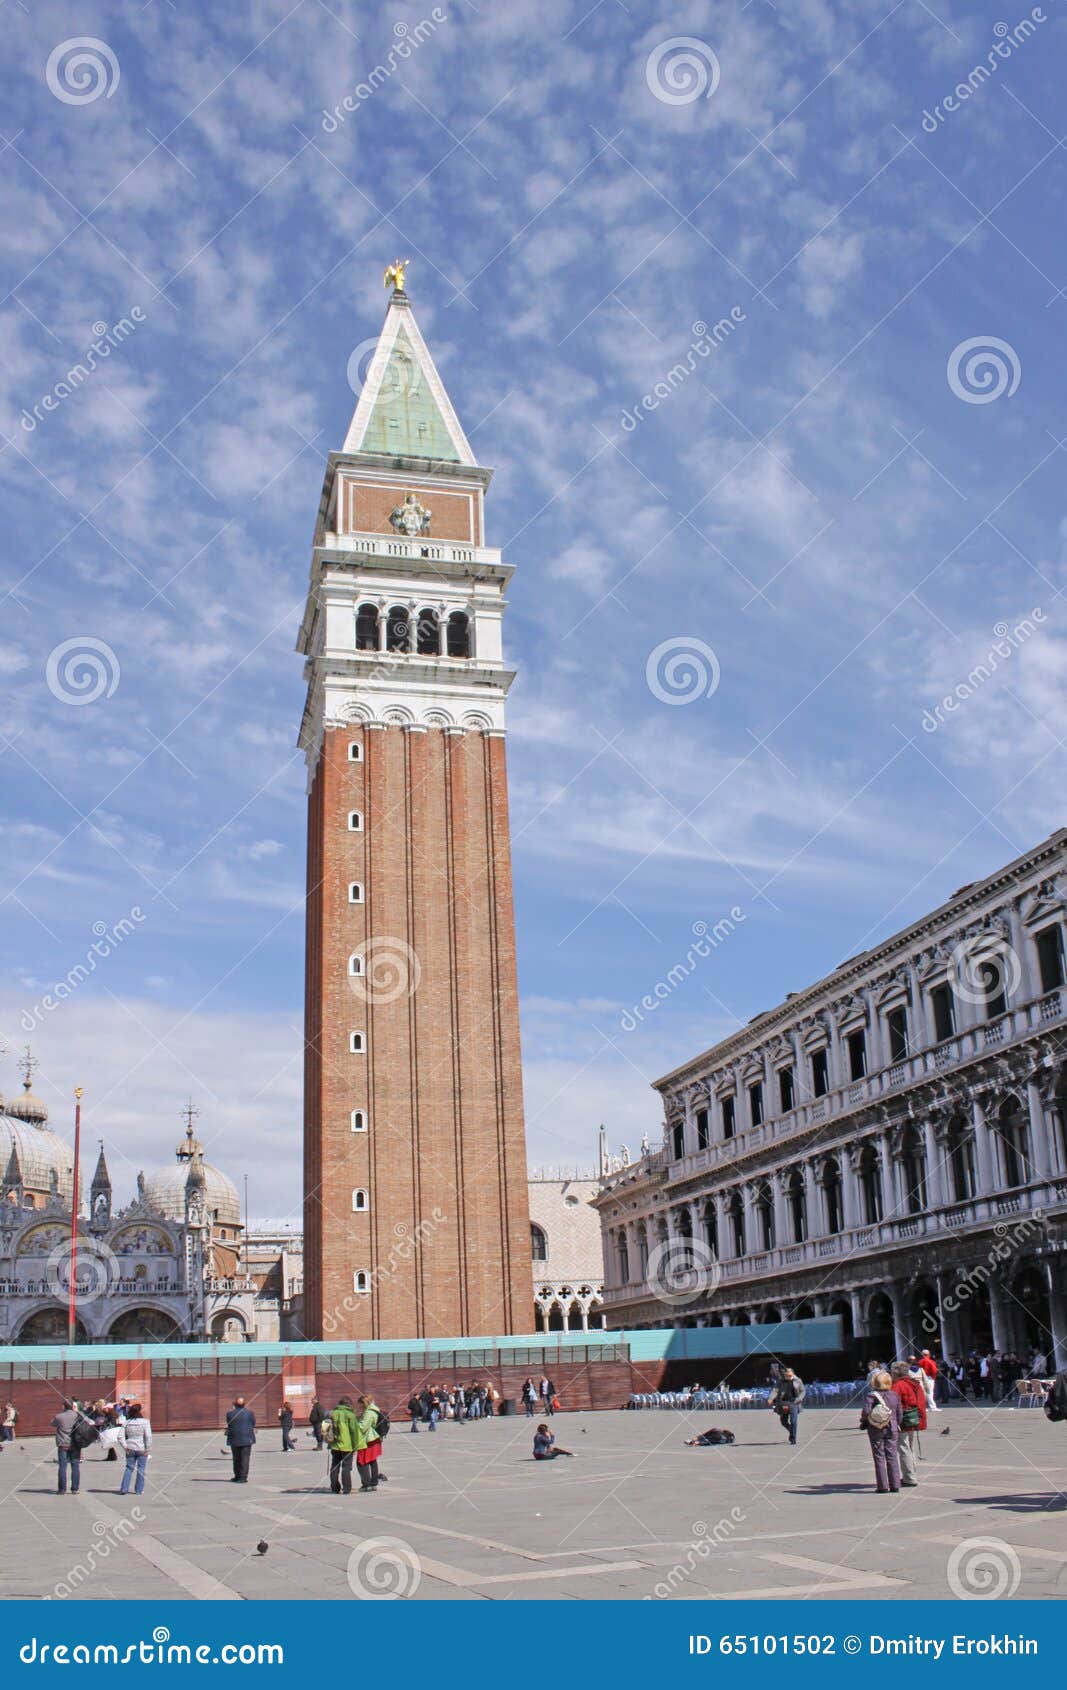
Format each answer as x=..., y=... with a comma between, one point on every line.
x=415, y=1211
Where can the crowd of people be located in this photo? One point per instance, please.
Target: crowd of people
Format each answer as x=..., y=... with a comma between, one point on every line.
x=433, y=1403
x=991, y=1375
x=897, y=1402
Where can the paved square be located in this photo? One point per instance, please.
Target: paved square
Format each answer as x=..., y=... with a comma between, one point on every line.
x=467, y=1515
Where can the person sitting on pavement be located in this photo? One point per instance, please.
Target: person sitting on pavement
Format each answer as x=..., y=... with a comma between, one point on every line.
x=545, y=1447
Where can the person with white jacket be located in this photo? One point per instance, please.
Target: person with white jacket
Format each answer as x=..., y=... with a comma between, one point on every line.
x=138, y=1439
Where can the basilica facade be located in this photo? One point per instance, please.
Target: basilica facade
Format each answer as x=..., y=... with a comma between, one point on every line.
x=167, y=1265
x=888, y=1145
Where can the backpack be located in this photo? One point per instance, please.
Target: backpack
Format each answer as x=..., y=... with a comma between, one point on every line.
x=83, y=1433
x=385, y=1425
x=329, y=1432
x=879, y=1415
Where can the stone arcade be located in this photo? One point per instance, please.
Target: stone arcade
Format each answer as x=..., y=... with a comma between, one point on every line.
x=889, y=1145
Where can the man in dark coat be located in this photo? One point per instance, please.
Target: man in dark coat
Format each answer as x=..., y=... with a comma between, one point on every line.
x=240, y=1435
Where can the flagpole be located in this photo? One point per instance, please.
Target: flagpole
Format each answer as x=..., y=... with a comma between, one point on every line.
x=72, y=1310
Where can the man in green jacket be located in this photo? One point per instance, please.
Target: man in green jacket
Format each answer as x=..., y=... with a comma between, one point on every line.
x=346, y=1439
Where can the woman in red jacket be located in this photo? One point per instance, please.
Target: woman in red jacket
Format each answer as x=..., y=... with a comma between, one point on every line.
x=912, y=1421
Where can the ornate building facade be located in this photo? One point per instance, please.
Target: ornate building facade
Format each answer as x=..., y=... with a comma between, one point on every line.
x=568, y=1269
x=167, y=1265
x=888, y=1145
x=415, y=1218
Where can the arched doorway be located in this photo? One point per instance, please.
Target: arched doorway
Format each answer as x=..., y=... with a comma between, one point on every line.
x=555, y=1318
x=843, y=1307
x=574, y=1318
x=804, y=1311
x=144, y=1326
x=881, y=1337
x=925, y=1317
x=1032, y=1328
x=48, y=1326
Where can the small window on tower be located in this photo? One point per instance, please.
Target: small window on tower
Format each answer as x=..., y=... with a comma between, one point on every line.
x=355, y=964
x=361, y=1282
x=359, y=1120
x=360, y=1201
x=355, y=893
x=355, y=752
x=355, y=821
x=427, y=633
x=357, y=1043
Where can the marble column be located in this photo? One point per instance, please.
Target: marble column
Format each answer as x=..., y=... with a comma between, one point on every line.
x=1000, y=1316
x=782, y=1229
x=816, y=1226
x=936, y=1172
x=1042, y=1151
x=986, y=1172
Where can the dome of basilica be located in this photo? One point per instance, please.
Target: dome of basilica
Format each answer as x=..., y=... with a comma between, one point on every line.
x=165, y=1190
x=40, y=1155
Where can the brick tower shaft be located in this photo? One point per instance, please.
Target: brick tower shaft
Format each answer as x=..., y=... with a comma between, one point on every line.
x=415, y=1209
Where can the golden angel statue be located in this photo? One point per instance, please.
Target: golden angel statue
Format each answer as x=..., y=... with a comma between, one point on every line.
x=395, y=274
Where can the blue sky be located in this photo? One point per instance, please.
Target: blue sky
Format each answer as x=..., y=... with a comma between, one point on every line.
x=833, y=509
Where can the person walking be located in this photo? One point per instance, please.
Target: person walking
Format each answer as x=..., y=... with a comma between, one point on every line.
x=415, y=1410
x=285, y=1421
x=880, y=1420
x=369, y=1445
x=316, y=1416
x=68, y=1452
x=240, y=1435
x=138, y=1439
x=529, y=1397
x=545, y=1447
x=8, y=1422
x=344, y=1441
x=912, y=1421
x=492, y=1397
x=786, y=1399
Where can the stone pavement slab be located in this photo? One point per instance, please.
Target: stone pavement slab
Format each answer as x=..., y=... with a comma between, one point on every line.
x=467, y=1515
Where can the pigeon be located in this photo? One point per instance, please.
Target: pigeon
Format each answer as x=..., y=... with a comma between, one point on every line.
x=946, y=1431
x=262, y=1546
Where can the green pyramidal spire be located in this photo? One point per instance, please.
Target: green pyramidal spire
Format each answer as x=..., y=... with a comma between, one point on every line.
x=403, y=409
